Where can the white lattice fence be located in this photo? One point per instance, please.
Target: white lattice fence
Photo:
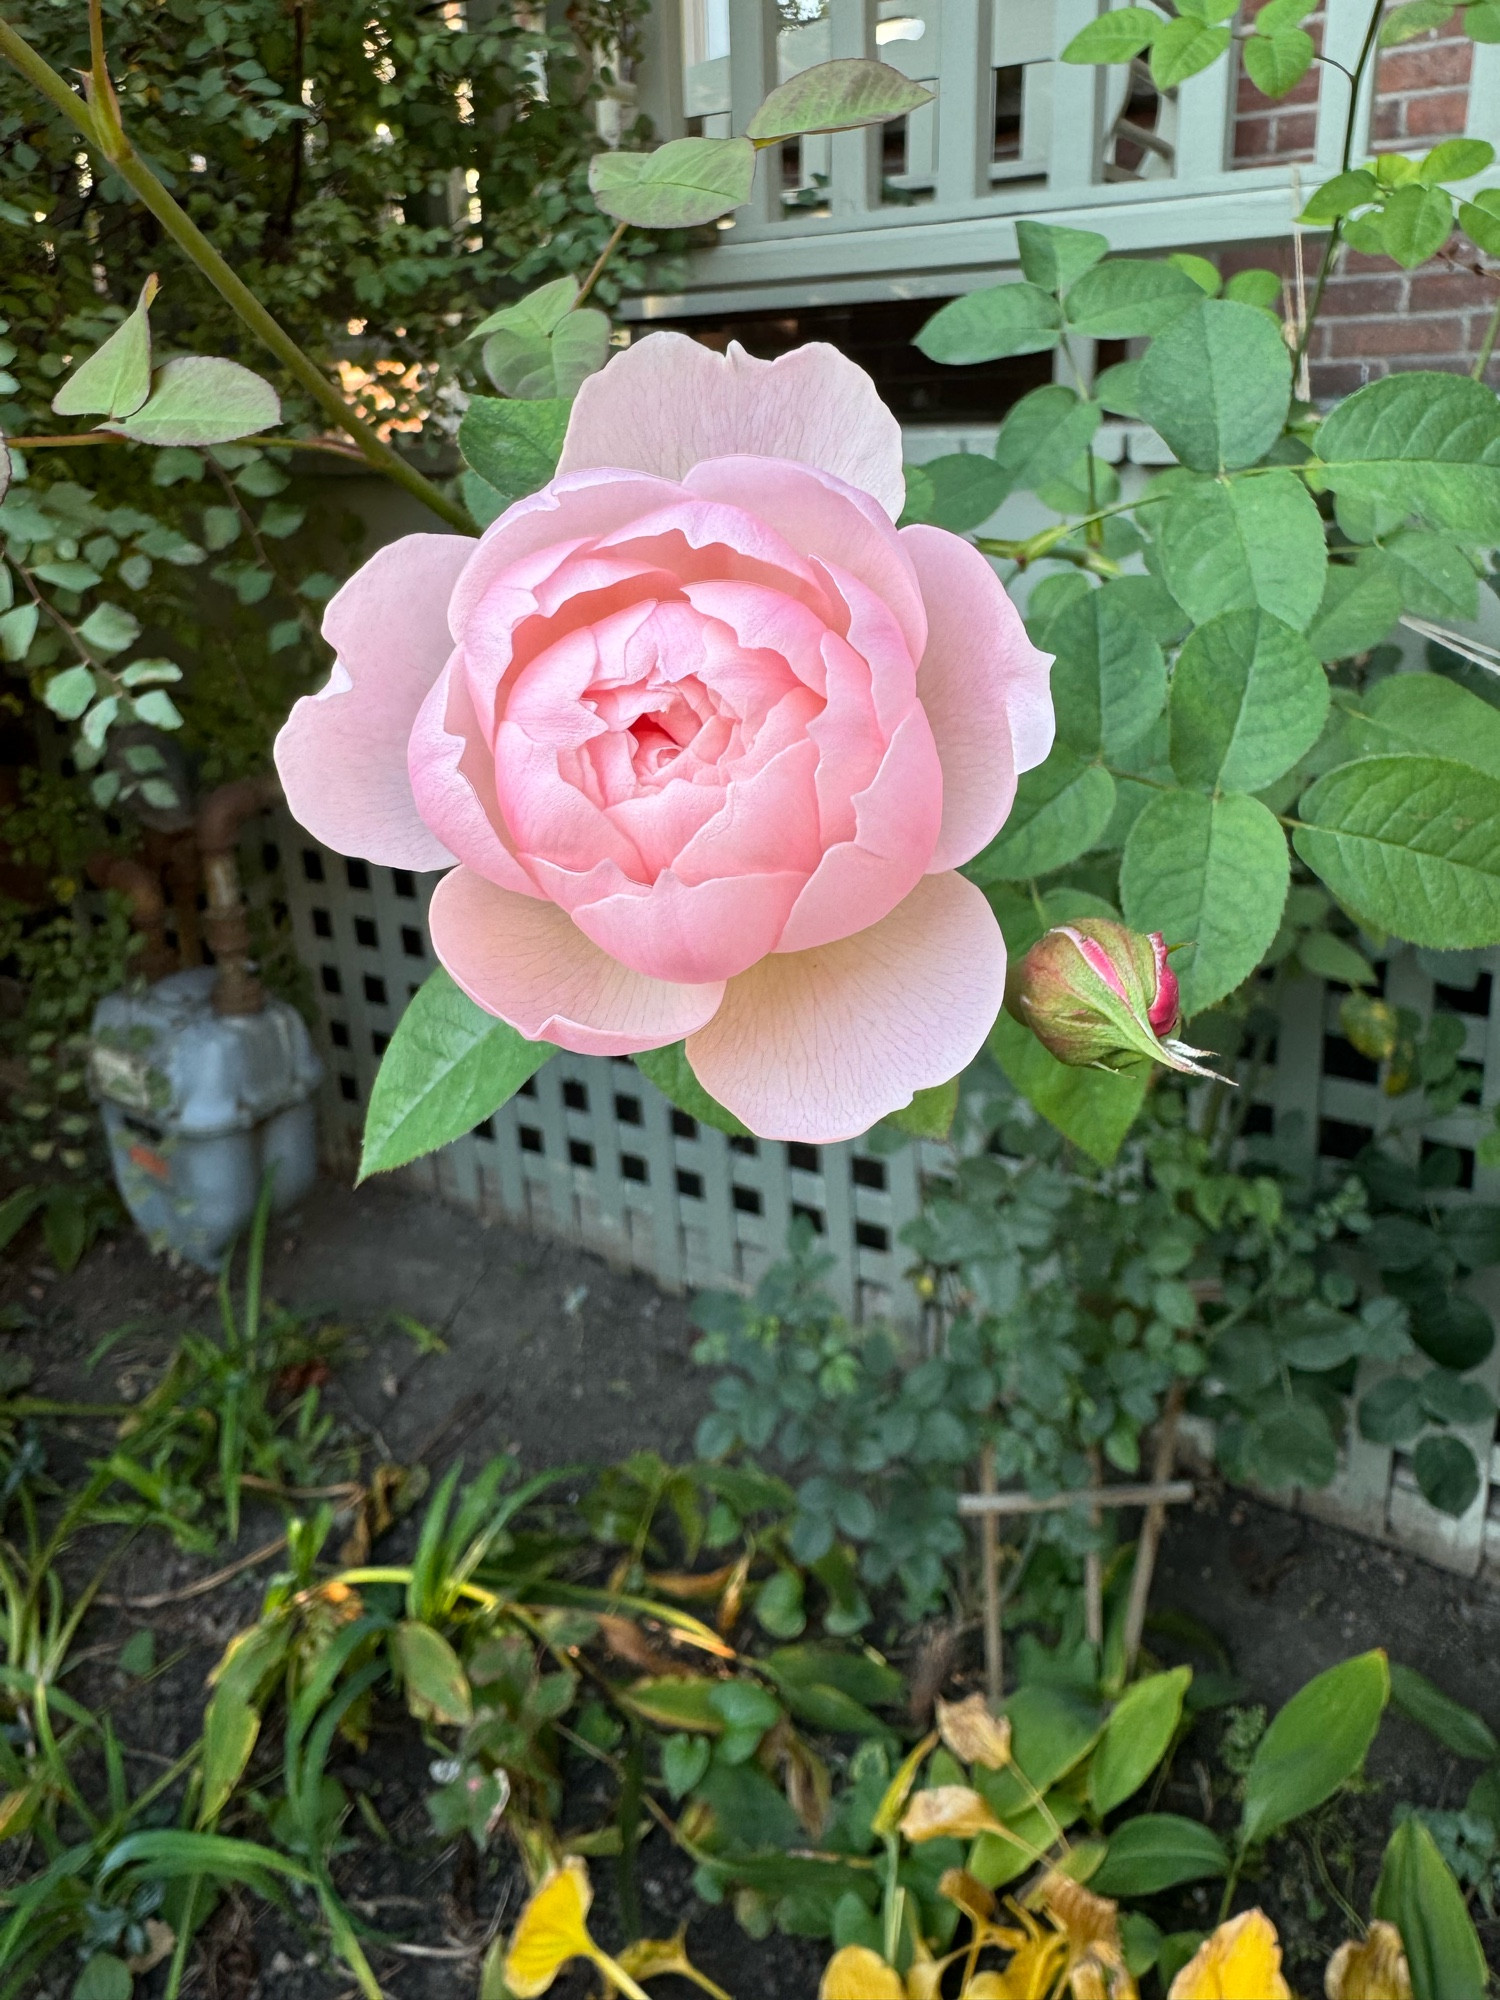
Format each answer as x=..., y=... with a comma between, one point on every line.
x=590, y=1152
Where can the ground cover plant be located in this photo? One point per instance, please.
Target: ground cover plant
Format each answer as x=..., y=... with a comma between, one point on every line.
x=657, y=1666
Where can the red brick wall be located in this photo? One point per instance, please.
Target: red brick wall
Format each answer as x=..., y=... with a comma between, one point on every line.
x=1375, y=316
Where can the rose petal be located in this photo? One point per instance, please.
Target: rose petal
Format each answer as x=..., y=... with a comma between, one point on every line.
x=818, y=1045
x=896, y=820
x=667, y=403
x=822, y=516
x=984, y=687
x=980, y=678
x=526, y=962
x=452, y=774
x=341, y=753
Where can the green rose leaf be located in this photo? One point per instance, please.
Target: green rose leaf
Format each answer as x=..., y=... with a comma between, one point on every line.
x=1425, y=712
x=1417, y=1893
x=1453, y=1399
x=1433, y=573
x=1183, y=48
x=1425, y=443
x=1482, y=21
x=967, y=487
x=1110, y=679
x=1411, y=844
x=1361, y=603
x=1095, y=1108
x=1240, y=544
x=513, y=446
x=1127, y=298
x=836, y=97
x=1447, y=1474
x=1248, y=699
x=1480, y=218
x=1052, y=257
x=930, y=1114
x=1258, y=288
x=683, y=183
x=1116, y=36
x=448, y=1066
x=989, y=324
x=1391, y=1412
x=1453, y=1329
x=1404, y=24
x=1316, y=1743
x=672, y=1073
x=1061, y=808
x=540, y=347
x=1216, y=384
x=1277, y=63
x=1415, y=224
x=1044, y=435
x=1211, y=875
x=1456, y=160
x=1118, y=388
x=202, y=400
x=1341, y=195
x=116, y=378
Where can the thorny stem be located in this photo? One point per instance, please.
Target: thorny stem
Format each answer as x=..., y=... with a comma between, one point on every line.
x=64, y=440
x=599, y=263
x=1346, y=155
x=98, y=120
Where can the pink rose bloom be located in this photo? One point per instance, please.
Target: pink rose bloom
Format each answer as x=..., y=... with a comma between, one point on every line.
x=706, y=738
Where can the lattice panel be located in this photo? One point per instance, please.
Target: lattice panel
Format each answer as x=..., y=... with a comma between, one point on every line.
x=588, y=1150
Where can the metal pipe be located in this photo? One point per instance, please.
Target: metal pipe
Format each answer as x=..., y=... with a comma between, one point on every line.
x=226, y=927
x=148, y=910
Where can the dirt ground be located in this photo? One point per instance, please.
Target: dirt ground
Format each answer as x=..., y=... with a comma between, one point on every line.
x=550, y=1355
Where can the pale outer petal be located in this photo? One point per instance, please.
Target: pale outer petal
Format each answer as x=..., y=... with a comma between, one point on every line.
x=952, y=583
x=527, y=962
x=341, y=753
x=819, y=1045
x=666, y=403
x=984, y=687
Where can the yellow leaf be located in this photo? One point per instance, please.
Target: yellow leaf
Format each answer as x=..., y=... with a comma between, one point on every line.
x=1083, y=1917
x=971, y=1896
x=988, y=1986
x=551, y=1929
x=857, y=1973
x=1374, y=1970
x=973, y=1734
x=948, y=1810
x=1240, y=1961
x=888, y=1812
x=650, y=1958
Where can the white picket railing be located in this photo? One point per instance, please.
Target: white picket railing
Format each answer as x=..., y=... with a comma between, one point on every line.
x=929, y=211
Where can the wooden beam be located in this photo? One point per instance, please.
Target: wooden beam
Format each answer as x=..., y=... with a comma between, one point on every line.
x=1166, y=1493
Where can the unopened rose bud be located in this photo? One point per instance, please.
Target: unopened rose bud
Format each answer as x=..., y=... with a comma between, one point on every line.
x=1096, y=993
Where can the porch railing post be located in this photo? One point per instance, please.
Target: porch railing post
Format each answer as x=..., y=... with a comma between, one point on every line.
x=855, y=156
x=753, y=26
x=966, y=100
